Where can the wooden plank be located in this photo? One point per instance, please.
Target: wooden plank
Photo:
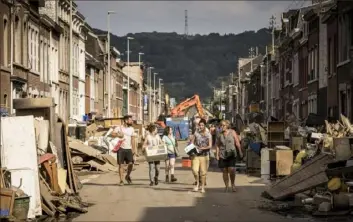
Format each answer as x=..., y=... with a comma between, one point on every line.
x=103, y=167
x=310, y=175
x=66, y=152
x=7, y=198
x=87, y=150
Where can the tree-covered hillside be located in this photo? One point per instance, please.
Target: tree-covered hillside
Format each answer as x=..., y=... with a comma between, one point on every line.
x=192, y=65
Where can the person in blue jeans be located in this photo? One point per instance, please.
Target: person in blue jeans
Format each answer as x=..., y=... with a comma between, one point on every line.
x=171, y=143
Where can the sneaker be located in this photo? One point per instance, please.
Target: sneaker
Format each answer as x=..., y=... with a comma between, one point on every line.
x=173, y=179
x=151, y=183
x=121, y=183
x=203, y=190
x=155, y=181
x=128, y=179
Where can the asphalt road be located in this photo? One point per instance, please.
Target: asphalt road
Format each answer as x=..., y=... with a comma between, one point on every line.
x=172, y=202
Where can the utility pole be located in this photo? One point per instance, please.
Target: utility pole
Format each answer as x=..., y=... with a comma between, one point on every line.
x=267, y=86
x=269, y=55
x=272, y=27
x=159, y=96
x=109, y=77
x=238, y=88
x=154, y=95
x=71, y=69
x=141, y=89
x=128, y=74
x=149, y=77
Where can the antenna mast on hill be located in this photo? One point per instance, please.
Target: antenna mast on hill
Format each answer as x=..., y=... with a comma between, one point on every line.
x=186, y=28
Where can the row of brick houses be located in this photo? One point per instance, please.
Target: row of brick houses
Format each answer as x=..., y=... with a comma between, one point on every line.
x=35, y=61
x=309, y=69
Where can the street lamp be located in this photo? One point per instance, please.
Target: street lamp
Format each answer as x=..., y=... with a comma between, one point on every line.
x=140, y=54
x=108, y=51
x=128, y=74
x=154, y=94
x=149, y=72
x=141, y=78
x=159, y=95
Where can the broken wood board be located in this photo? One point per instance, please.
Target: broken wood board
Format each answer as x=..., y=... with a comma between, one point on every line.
x=110, y=159
x=46, y=195
x=102, y=167
x=7, y=198
x=311, y=174
x=89, y=151
x=19, y=156
x=70, y=169
x=62, y=176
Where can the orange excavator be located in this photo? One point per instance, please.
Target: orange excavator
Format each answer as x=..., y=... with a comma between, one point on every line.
x=180, y=109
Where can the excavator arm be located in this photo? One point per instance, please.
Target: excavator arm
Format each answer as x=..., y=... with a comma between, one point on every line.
x=193, y=101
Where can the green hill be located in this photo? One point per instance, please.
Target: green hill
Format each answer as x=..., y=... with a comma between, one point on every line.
x=192, y=65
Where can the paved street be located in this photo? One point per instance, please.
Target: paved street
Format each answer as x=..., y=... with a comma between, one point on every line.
x=171, y=202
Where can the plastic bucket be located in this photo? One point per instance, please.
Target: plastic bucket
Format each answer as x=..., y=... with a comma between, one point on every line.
x=186, y=162
x=20, y=208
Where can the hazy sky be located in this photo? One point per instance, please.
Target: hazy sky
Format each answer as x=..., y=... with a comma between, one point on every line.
x=168, y=16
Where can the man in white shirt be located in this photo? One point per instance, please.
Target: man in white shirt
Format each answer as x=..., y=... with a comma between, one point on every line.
x=125, y=154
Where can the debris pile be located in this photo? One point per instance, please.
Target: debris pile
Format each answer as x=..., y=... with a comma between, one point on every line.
x=37, y=175
x=89, y=158
x=321, y=178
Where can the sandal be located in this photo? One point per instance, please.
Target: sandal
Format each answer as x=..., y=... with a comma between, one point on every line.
x=196, y=189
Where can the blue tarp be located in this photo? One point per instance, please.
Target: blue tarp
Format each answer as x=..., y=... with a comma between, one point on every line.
x=180, y=128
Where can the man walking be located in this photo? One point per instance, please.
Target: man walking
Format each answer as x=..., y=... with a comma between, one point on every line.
x=125, y=154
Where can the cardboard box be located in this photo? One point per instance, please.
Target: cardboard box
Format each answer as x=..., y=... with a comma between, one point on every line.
x=156, y=153
x=284, y=162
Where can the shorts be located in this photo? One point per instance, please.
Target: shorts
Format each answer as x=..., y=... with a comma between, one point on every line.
x=125, y=156
x=170, y=156
x=226, y=163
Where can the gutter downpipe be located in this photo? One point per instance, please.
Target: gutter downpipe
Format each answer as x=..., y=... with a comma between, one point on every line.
x=11, y=55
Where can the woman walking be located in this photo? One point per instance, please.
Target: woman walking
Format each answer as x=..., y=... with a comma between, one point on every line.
x=226, y=152
x=172, y=147
x=202, y=139
x=153, y=139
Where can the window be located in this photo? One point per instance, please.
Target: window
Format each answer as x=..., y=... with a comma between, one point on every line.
x=295, y=108
x=34, y=50
x=343, y=33
x=5, y=102
x=330, y=57
x=312, y=104
x=295, y=69
x=41, y=55
x=75, y=102
x=17, y=38
x=6, y=42
x=345, y=100
x=25, y=45
x=313, y=64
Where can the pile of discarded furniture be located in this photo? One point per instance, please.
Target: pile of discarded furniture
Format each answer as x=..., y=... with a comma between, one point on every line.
x=95, y=152
x=37, y=175
x=320, y=180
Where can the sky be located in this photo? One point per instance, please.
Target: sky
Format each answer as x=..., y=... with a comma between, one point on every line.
x=204, y=17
